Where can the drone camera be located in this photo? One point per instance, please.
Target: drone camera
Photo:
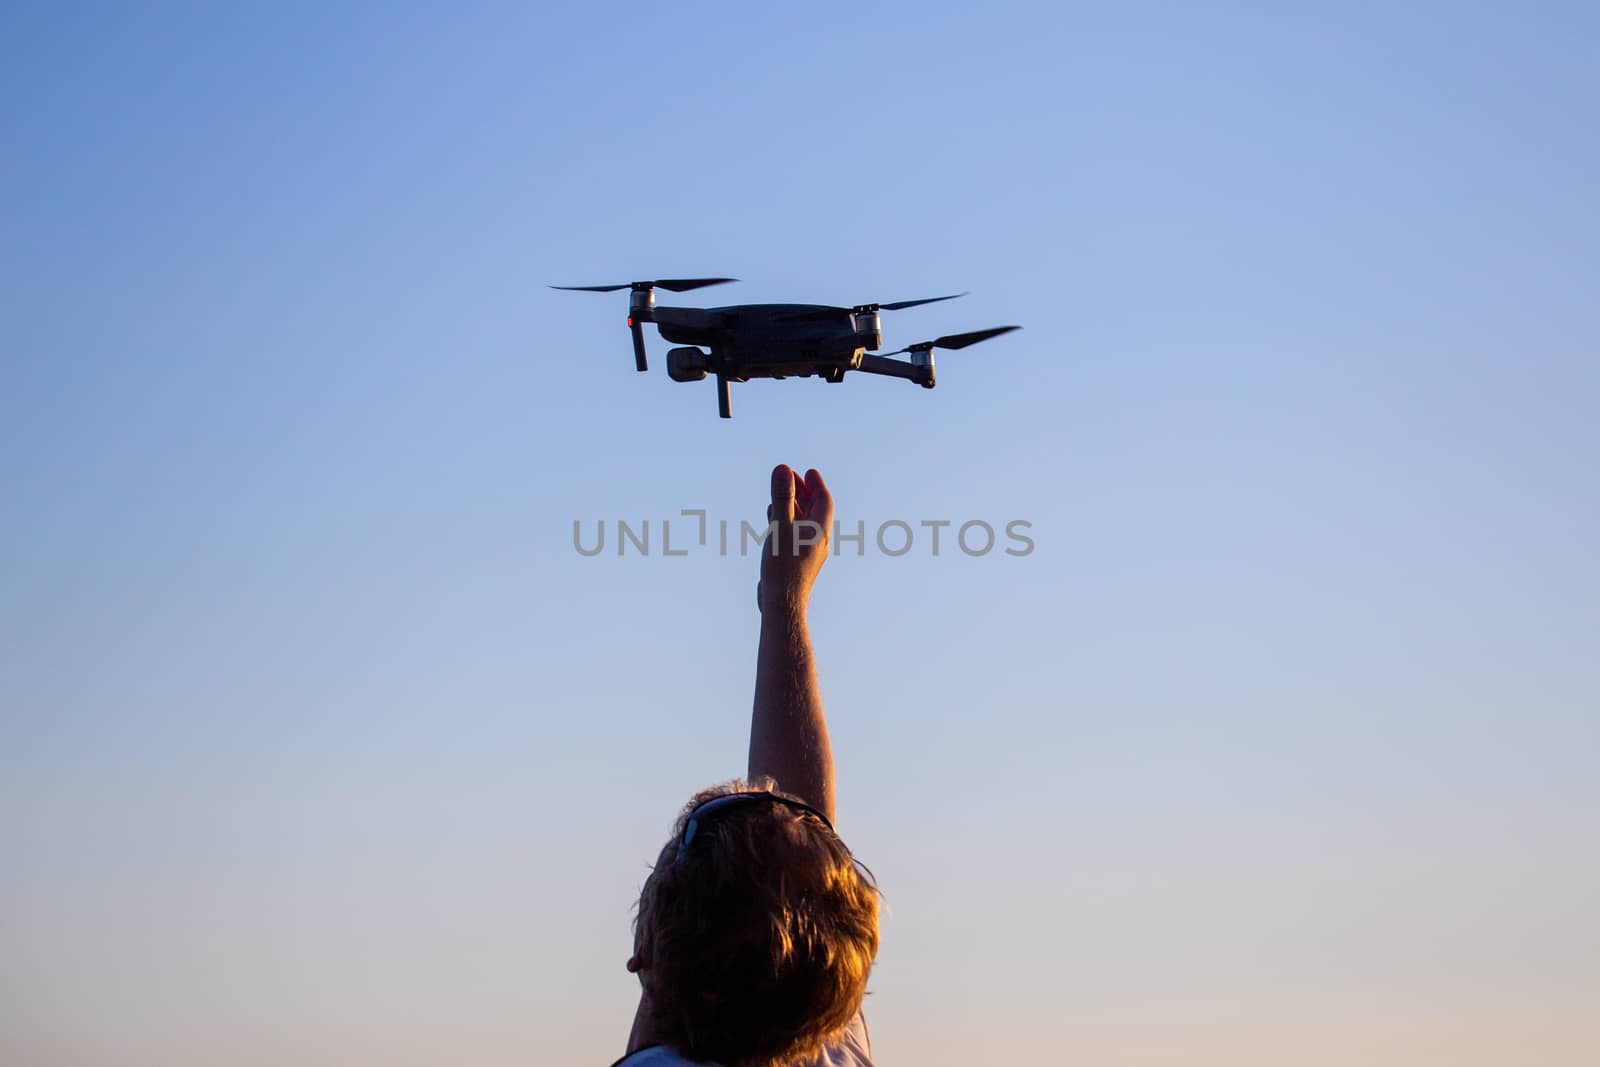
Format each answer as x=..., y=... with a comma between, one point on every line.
x=686, y=364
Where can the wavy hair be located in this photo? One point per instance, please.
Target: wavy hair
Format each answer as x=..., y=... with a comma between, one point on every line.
x=760, y=934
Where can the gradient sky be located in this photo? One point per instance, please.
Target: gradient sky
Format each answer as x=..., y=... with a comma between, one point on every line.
x=319, y=744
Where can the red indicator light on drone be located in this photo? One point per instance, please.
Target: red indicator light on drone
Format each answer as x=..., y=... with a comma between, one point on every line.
x=630, y=321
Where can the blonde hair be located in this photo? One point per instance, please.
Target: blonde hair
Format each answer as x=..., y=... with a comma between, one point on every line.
x=761, y=934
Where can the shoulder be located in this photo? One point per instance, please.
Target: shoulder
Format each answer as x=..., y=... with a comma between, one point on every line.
x=853, y=1048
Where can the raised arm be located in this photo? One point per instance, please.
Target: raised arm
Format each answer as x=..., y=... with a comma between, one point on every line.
x=788, y=730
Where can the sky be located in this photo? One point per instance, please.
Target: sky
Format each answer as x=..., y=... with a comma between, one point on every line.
x=320, y=743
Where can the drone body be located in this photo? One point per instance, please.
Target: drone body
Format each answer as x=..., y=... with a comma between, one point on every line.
x=775, y=340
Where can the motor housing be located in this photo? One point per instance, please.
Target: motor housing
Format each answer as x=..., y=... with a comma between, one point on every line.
x=869, y=330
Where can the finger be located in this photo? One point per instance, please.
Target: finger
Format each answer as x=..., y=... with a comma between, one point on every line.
x=783, y=480
x=819, y=502
x=799, y=495
x=802, y=495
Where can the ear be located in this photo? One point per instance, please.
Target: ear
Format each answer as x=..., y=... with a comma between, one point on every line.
x=641, y=952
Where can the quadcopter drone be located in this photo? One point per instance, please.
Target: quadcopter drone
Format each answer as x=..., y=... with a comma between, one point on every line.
x=775, y=340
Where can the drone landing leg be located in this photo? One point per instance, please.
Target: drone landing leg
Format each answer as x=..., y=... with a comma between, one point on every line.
x=724, y=402
x=639, y=361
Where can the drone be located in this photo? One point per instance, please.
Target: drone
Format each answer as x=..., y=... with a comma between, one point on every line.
x=776, y=340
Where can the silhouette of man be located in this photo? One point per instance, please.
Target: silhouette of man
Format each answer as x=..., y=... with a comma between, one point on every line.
x=757, y=928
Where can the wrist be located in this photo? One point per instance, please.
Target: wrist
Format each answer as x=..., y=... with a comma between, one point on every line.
x=786, y=607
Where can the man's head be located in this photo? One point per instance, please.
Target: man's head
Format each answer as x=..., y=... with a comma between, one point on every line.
x=755, y=935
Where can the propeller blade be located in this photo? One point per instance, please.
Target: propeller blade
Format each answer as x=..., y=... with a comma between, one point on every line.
x=672, y=285
x=683, y=285
x=829, y=314
x=900, y=305
x=962, y=340
x=955, y=340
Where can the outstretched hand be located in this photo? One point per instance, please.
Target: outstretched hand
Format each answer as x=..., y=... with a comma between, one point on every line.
x=801, y=518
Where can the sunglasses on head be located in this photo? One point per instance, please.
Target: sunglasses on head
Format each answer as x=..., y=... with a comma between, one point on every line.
x=728, y=800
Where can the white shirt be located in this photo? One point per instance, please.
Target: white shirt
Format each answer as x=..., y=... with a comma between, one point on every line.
x=853, y=1048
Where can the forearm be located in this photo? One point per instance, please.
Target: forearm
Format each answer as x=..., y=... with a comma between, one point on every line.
x=788, y=729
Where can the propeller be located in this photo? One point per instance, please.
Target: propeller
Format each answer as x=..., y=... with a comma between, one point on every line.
x=641, y=302
x=671, y=285
x=831, y=313
x=901, y=305
x=955, y=340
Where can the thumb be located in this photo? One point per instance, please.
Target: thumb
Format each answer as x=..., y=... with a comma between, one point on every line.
x=782, y=494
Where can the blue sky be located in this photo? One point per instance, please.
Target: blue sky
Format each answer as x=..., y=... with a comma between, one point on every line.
x=318, y=741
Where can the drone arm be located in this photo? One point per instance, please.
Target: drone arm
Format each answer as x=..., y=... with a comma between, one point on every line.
x=896, y=368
